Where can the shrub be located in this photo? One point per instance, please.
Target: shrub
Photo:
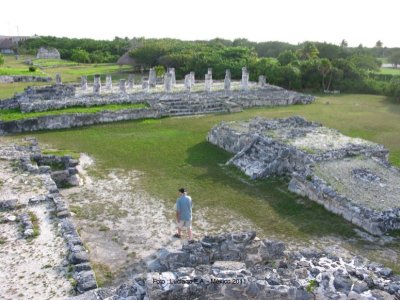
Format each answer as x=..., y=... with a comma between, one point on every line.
x=32, y=69
x=1, y=59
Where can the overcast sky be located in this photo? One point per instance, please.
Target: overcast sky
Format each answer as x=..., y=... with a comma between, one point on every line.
x=293, y=21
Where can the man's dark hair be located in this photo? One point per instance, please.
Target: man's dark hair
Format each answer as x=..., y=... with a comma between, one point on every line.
x=181, y=190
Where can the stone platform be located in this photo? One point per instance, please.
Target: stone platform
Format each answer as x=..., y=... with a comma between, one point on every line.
x=348, y=176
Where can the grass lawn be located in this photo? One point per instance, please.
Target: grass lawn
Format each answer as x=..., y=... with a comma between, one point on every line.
x=16, y=114
x=173, y=152
x=390, y=71
x=70, y=72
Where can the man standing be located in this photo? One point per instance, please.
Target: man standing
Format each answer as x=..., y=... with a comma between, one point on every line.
x=184, y=214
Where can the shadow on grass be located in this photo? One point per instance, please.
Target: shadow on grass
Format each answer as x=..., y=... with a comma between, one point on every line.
x=266, y=202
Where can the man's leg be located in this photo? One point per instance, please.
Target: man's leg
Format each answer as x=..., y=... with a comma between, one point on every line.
x=190, y=234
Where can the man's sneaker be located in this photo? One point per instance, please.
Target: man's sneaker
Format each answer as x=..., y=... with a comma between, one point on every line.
x=178, y=236
x=191, y=241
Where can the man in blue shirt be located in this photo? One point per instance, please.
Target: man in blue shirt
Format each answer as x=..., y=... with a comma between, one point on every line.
x=184, y=213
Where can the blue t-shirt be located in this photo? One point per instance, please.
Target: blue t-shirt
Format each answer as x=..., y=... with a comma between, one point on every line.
x=184, y=207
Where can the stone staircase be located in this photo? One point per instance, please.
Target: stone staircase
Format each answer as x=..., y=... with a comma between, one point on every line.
x=182, y=107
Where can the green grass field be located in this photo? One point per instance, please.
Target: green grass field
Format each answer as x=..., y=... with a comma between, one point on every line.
x=70, y=72
x=15, y=114
x=390, y=71
x=173, y=152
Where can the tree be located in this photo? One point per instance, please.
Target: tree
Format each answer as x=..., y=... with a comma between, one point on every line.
x=366, y=62
x=308, y=51
x=378, y=44
x=344, y=44
x=1, y=59
x=394, y=58
x=287, y=57
x=325, y=67
x=80, y=55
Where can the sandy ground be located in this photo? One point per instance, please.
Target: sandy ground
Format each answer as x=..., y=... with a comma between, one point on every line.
x=123, y=226
x=35, y=268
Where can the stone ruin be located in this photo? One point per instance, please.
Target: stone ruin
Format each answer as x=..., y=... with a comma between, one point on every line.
x=169, y=100
x=242, y=266
x=48, y=53
x=350, y=177
x=227, y=266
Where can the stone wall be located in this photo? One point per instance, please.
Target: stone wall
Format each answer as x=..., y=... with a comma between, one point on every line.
x=364, y=190
x=48, y=53
x=74, y=120
x=242, y=266
x=23, y=78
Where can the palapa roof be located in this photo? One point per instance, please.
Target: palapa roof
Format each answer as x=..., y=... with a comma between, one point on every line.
x=126, y=60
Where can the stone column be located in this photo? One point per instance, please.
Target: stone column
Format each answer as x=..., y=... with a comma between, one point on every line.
x=84, y=83
x=58, y=79
x=192, y=78
x=130, y=81
x=173, y=78
x=168, y=82
x=96, y=84
x=108, y=82
x=122, y=86
x=188, y=82
x=145, y=85
x=152, y=77
x=262, y=81
x=208, y=83
x=227, y=81
x=245, y=79
x=209, y=71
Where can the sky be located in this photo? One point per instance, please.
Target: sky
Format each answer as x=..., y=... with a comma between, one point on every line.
x=356, y=21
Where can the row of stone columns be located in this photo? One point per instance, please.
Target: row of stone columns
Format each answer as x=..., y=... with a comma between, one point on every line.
x=169, y=81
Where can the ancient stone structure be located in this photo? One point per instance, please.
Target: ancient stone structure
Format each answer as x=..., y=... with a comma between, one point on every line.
x=84, y=84
x=168, y=79
x=29, y=159
x=348, y=176
x=51, y=53
x=145, y=85
x=58, y=78
x=192, y=77
x=173, y=78
x=245, y=79
x=152, y=78
x=227, y=80
x=130, y=81
x=188, y=82
x=108, y=82
x=23, y=78
x=262, y=81
x=208, y=82
x=96, y=84
x=122, y=86
x=242, y=266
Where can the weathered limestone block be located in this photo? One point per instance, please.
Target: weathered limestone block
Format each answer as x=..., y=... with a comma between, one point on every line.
x=227, y=80
x=122, y=86
x=8, y=204
x=145, y=85
x=108, y=82
x=245, y=79
x=168, y=82
x=188, y=82
x=84, y=84
x=262, y=81
x=192, y=78
x=58, y=79
x=152, y=78
x=96, y=84
x=173, y=78
x=208, y=83
x=48, y=53
x=130, y=81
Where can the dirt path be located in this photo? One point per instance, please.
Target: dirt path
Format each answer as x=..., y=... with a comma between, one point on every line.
x=123, y=226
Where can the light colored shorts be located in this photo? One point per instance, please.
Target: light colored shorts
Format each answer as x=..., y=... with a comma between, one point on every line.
x=184, y=224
